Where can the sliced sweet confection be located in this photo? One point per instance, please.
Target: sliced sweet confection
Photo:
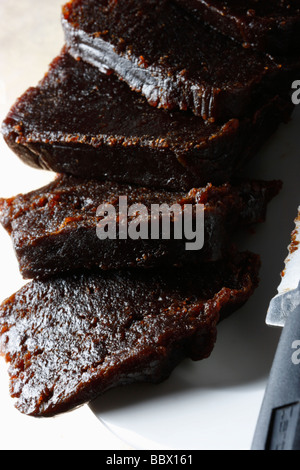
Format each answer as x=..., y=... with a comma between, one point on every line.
x=68, y=340
x=81, y=122
x=54, y=229
x=271, y=26
x=176, y=61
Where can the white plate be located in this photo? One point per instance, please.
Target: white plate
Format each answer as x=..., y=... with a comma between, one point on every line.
x=214, y=404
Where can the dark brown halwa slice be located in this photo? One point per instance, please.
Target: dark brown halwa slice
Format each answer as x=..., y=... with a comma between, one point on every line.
x=53, y=229
x=71, y=339
x=158, y=49
x=271, y=26
x=78, y=121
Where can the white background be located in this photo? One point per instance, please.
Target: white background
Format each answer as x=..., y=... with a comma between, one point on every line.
x=208, y=405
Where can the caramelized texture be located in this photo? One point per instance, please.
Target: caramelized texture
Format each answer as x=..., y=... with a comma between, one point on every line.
x=271, y=25
x=54, y=229
x=69, y=340
x=81, y=122
x=173, y=59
